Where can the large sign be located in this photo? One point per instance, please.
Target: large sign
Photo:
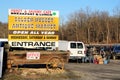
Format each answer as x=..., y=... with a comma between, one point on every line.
x=33, y=27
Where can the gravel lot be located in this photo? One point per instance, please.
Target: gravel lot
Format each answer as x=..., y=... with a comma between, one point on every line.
x=91, y=71
x=73, y=71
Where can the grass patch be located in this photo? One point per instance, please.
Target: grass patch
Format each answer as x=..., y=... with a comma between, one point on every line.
x=33, y=74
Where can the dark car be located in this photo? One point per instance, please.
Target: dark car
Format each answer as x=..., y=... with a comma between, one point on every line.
x=116, y=51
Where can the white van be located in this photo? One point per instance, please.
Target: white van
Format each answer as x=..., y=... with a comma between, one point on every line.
x=76, y=48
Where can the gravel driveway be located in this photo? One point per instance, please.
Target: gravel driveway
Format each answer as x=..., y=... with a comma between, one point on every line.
x=91, y=71
x=73, y=71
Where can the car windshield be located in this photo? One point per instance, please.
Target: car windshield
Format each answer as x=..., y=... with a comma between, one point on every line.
x=76, y=45
x=79, y=45
x=73, y=45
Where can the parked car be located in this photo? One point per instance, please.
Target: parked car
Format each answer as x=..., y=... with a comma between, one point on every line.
x=116, y=51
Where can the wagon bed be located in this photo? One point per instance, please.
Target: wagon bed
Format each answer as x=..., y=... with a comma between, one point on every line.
x=52, y=59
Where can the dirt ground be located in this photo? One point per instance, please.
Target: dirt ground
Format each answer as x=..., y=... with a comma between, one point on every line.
x=91, y=71
x=73, y=71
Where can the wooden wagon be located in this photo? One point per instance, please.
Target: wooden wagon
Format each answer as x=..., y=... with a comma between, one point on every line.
x=54, y=60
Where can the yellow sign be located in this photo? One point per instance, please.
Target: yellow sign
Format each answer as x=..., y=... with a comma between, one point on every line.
x=33, y=37
x=33, y=25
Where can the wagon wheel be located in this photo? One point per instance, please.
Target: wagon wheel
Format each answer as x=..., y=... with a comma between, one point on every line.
x=55, y=64
x=9, y=65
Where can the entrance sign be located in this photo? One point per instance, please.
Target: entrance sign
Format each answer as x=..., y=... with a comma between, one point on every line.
x=33, y=26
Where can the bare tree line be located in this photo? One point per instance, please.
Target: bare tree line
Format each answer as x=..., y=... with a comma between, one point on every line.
x=87, y=26
x=92, y=27
x=3, y=30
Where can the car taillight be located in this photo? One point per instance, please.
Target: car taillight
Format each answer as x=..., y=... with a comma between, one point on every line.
x=85, y=52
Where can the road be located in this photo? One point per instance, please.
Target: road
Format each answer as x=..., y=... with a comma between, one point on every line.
x=89, y=71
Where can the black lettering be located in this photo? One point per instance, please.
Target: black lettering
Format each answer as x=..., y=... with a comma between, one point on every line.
x=47, y=43
x=51, y=37
x=19, y=43
x=35, y=37
x=19, y=37
x=25, y=43
x=42, y=43
x=36, y=44
x=30, y=44
x=52, y=43
x=13, y=43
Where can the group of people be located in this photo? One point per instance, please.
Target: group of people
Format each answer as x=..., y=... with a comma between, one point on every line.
x=92, y=51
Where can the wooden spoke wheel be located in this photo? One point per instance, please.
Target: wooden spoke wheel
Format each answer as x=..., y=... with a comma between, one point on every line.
x=9, y=64
x=55, y=64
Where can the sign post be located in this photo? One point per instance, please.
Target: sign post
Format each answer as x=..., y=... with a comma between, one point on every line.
x=1, y=61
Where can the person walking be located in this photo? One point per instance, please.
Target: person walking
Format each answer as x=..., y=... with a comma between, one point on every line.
x=90, y=55
x=102, y=53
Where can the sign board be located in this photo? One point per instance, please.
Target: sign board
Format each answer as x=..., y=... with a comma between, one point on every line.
x=1, y=60
x=27, y=27
x=33, y=55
